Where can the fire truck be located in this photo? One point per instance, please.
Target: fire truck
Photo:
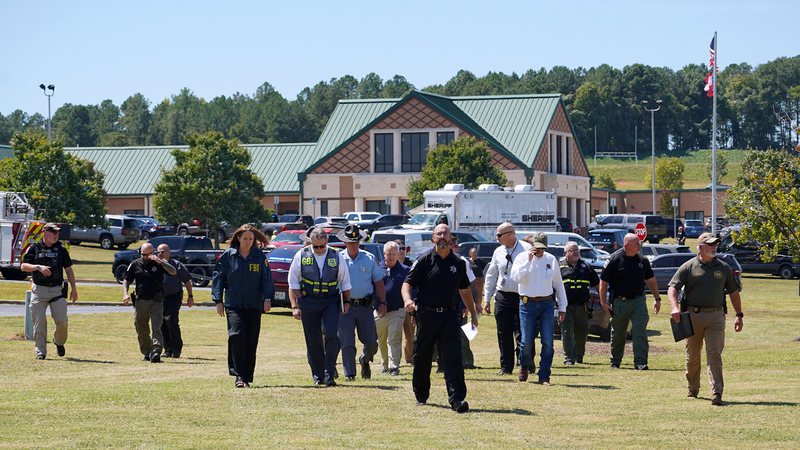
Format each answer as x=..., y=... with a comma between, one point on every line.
x=18, y=230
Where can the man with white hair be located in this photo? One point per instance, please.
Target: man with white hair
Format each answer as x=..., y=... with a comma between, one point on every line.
x=390, y=326
x=578, y=278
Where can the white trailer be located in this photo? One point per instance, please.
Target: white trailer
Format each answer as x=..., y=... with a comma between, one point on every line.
x=482, y=210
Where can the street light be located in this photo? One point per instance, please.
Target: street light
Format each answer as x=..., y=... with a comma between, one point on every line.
x=653, y=144
x=52, y=90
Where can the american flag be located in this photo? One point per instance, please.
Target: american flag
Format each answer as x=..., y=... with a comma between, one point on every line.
x=709, y=81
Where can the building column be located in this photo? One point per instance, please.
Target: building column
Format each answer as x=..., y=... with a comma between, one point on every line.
x=395, y=206
x=562, y=207
x=360, y=204
x=573, y=211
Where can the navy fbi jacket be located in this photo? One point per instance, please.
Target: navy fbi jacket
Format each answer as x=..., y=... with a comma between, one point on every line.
x=245, y=282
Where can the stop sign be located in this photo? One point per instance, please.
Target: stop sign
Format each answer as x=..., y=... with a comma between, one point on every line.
x=640, y=231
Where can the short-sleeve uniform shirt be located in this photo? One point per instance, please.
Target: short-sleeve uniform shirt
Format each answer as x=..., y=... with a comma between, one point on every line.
x=438, y=279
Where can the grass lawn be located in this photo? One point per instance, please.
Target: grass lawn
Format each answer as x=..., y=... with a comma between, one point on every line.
x=629, y=174
x=102, y=395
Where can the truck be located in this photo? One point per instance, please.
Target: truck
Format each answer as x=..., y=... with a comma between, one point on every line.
x=287, y=222
x=17, y=231
x=482, y=210
x=197, y=253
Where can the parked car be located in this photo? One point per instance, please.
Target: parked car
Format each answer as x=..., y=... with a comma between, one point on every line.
x=608, y=239
x=722, y=222
x=749, y=256
x=588, y=254
x=149, y=227
x=693, y=228
x=281, y=258
x=197, y=228
x=355, y=216
x=195, y=252
x=417, y=241
x=650, y=251
x=565, y=224
x=386, y=220
x=656, y=226
x=288, y=222
x=333, y=220
x=665, y=266
x=121, y=231
x=672, y=225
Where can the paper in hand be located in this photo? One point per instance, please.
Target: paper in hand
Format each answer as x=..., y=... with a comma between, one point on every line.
x=469, y=330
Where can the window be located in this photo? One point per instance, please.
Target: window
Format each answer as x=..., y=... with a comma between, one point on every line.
x=445, y=137
x=559, y=151
x=323, y=208
x=384, y=153
x=129, y=212
x=693, y=215
x=414, y=151
x=378, y=206
x=404, y=206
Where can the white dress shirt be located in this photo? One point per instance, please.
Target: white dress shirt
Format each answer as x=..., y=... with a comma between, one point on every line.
x=497, y=274
x=539, y=277
x=295, y=276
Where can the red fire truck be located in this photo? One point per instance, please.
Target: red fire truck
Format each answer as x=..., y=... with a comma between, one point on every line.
x=18, y=230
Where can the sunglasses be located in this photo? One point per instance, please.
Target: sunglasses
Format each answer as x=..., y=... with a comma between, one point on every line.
x=499, y=235
x=161, y=251
x=147, y=254
x=319, y=247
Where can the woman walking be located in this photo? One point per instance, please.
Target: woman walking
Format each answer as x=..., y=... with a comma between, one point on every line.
x=242, y=288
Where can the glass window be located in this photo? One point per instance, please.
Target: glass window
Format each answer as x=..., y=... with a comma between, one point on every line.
x=696, y=215
x=323, y=208
x=445, y=137
x=384, y=153
x=378, y=206
x=414, y=151
x=559, y=151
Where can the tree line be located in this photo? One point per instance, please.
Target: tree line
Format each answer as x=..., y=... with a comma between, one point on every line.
x=758, y=108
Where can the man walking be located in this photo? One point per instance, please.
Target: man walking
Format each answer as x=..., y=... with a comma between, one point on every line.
x=439, y=277
x=147, y=272
x=390, y=326
x=48, y=261
x=578, y=278
x=625, y=274
x=538, y=276
x=173, y=298
x=498, y=283
x=367, y=295
x=705, y=280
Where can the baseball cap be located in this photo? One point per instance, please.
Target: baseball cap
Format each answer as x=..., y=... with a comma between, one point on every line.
x=50, y=226
x=538, y=240
x=707, y=238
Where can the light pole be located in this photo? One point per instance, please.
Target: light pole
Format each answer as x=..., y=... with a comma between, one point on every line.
x=52, y=90
x=653, y=144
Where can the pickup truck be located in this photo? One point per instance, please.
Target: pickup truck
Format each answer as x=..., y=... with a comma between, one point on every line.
x=288, y=222
x=195, y=252
x=197, y=228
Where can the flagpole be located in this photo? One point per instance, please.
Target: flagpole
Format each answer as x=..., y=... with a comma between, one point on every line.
x=714, y=141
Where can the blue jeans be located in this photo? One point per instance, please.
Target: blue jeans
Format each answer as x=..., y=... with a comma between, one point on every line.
x=537, y=317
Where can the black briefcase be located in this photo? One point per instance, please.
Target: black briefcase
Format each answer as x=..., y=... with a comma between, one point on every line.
x=682, y=329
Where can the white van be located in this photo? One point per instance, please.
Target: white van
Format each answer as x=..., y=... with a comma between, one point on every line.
x=417, y=241
x=560, y=238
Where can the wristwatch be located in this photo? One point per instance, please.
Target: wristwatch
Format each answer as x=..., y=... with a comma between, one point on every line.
x=658, y=299
x=740, y=315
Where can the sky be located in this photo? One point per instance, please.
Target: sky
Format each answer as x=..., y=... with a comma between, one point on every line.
x=97, y=50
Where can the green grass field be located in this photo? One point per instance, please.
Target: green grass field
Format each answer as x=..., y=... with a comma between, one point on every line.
x=629, y=174
x=102, y=395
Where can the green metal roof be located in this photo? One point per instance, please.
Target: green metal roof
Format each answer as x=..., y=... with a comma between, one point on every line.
x=515, y=125
x=135, y=170
x=6, y=152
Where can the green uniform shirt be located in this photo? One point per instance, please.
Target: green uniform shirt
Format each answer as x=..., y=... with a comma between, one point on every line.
x=705, y=284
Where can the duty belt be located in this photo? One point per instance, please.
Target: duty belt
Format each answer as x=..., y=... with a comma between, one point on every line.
x=438, y=309
x=363, y=301
x=625, y=299
x=699, y=309
x=525, y=299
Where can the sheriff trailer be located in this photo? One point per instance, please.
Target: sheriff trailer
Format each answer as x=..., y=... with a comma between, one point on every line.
x=482, y=210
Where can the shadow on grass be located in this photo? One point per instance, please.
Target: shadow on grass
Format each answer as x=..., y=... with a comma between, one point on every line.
x=195, y=358
x=735, y=403
x=93, y=361
x=600, y=387
x=515, y=411
x=338, y=386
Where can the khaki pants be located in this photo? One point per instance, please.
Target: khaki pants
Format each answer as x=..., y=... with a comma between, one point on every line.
x=390, y=338
x=40, y=299
x=147, y=313
x=408, y=335
x=711, y=327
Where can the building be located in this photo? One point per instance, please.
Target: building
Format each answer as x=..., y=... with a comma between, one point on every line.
x=692, y=203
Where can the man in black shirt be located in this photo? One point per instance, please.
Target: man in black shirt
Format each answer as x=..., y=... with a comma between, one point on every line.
x=147, y=272
x=48, y=261
x=440, y=278
x=625, y=274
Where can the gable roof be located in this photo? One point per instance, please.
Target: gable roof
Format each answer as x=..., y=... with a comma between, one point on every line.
x=276, y=164
x=515, y=125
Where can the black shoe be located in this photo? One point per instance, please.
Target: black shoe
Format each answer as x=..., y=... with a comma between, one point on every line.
x=366, y=372
x=691, y=394
x=717, y=400
x=61, y=350
x=176, y=355
x=167, y=355
x=641, y=367
x=155, y=358
x=460, y=407
x=569, y=362
x=329, y=381
x=146, y=358
x=470, y=366
x=523, y=374
x=579, y=360
x=239, y=383
x=394, y=372
x=614, y=365
x=40, y=356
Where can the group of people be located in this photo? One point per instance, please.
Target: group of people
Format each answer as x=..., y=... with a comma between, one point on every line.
x=340, y=294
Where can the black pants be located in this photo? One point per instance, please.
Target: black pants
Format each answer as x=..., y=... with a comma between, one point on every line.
x=244, y=326
x=443, y=330
x=170, y=328
x=506, y=314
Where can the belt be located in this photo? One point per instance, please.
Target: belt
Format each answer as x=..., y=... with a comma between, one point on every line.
x=625, y=299
x=438, y=309
x=48, y=285
x=525, y=299
x=363, y=301
x=699, y=309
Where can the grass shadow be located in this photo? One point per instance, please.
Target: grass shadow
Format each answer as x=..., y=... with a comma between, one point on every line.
x=195, y=358
x=338, y=386
x=601, y=387
x=93, y=361
x=515, y=411
x=735, y=403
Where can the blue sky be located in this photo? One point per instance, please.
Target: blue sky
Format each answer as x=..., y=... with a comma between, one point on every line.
x=96, y=50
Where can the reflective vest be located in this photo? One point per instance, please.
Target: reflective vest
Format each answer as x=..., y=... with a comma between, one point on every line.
x=312, y=282
x=576, y=281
